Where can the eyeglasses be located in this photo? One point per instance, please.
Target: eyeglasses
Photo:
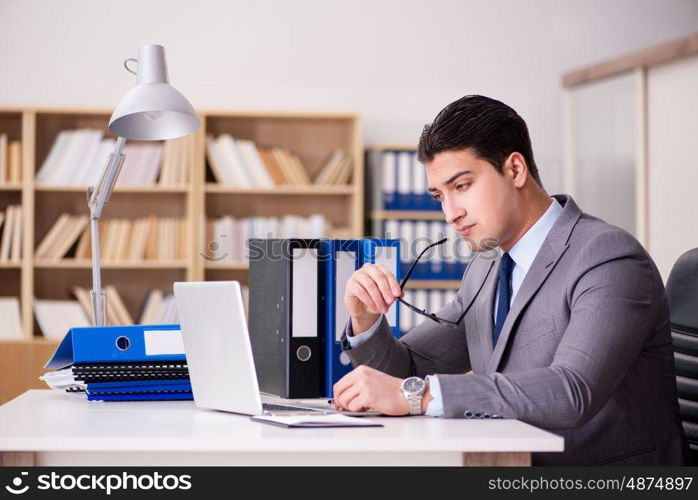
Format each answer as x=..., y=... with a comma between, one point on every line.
x=423, y=312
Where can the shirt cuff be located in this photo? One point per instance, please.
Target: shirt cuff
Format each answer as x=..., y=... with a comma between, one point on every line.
x=436, y=405
x=357, y=339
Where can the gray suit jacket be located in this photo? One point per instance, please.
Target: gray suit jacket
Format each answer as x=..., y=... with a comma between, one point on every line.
x=585, y=350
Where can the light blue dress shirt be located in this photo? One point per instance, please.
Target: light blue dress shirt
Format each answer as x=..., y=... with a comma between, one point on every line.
x=522, y=253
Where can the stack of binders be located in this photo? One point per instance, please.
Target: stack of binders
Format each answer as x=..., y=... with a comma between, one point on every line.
x=121, y=363
x=297, y=313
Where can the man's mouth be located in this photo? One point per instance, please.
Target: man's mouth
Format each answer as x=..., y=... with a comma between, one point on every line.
x=465, y=230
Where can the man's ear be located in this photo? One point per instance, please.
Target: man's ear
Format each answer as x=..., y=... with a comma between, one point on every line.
x=519, y=169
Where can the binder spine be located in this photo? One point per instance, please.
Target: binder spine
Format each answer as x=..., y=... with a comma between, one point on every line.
x=305, y=354
x=285, y=320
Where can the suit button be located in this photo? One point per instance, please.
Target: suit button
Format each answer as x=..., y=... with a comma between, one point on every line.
x=478, y=414
x=487, y=415
x=468, y=414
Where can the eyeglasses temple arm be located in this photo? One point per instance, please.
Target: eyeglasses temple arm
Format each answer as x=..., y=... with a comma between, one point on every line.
x=409, y=271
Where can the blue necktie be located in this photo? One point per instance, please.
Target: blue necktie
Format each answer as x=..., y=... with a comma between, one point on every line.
x=504, y=296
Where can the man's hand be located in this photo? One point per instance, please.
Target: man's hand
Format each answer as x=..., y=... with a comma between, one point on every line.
x=370, y=291
x=365, y=388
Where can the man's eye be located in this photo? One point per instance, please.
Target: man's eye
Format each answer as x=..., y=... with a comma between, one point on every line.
x=436, y=197
x=463, y=185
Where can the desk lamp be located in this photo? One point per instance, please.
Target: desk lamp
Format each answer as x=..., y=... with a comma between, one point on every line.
x=153, y=110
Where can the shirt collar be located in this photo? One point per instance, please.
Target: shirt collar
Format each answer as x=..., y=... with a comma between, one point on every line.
x=525, y=250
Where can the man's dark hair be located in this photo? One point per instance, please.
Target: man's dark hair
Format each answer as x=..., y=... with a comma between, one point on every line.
x=489, y=128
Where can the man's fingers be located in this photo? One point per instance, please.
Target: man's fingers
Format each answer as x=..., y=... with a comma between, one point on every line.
x=383, y=282
x=372, y=288
x=358, y=403
x=359, y=291
x=346, y=396
x=394, y=285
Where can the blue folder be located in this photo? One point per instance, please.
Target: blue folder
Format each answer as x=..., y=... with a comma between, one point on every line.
x=161, y=396
x=117, y=344
x=339, y=259
x=141, y=385
x=145, y=389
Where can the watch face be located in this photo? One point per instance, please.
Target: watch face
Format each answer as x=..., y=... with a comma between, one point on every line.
x=413, y=385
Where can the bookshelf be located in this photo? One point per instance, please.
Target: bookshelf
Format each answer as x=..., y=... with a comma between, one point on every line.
x=310, y=135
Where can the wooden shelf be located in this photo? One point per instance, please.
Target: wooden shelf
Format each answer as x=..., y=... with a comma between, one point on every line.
x=282, y=190
x=105, y=264
x=434, y=284
x=10, y=265
x=407, y=214
x=11, y=187
x=228, y=266
x=131, y=189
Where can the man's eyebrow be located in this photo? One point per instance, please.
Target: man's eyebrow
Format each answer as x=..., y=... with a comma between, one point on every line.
x=453, y=178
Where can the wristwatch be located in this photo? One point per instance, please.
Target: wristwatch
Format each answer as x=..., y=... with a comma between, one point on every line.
x=413, y=389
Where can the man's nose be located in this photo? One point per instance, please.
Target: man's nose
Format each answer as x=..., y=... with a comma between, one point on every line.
x=452, y=211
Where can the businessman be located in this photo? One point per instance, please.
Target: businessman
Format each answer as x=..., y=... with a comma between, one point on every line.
x=565, y=327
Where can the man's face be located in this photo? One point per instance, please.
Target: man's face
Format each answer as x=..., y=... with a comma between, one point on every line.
x=476, y=199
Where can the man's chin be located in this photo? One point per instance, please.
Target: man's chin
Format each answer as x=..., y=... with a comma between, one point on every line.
x=480, y=244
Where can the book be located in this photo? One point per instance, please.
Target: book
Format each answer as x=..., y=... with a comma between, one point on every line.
x=16, y=250
x=8, y=229
x=43, y=250
x=116, y=306
x=216, y=163
x=253, y=164
x=3, y=159
x=11, y=324
x=84, y=298
x=14, y=162
x=300, y=171
x=152, y=308
x=56, y=317
x=273, y=167
x=239, y=173
x=68, y=237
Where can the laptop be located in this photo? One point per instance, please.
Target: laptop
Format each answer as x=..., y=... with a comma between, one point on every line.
x=219, y=353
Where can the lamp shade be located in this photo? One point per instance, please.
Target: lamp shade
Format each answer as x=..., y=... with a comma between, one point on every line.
x=153, y=109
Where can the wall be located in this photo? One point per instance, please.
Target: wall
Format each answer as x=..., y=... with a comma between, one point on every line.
x=397, y=62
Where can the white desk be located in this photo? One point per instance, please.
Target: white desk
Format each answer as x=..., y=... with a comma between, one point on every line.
x=45, y=427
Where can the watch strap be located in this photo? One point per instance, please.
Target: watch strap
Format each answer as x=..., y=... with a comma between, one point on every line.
x=415, y=403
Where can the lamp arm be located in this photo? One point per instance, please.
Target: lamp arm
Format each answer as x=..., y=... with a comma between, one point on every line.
x=97, y=198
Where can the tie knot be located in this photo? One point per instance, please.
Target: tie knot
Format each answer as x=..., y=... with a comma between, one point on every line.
x=507, y=263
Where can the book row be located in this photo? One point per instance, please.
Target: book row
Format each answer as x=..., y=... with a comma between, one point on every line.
x=78, y=156
x=145, y=238
x=397, y=181
x=226, y=238
x=442, y=262
x=240, y=163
